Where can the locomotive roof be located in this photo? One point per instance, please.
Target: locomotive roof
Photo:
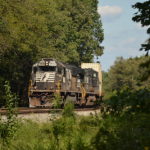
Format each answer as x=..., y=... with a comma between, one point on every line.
x=90, y=70
x=75, y=70
x=48, y=59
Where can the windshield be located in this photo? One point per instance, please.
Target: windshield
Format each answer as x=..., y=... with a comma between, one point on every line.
x=47, y=68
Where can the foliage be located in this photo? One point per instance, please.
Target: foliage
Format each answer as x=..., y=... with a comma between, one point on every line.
x=70, y=31
x=127, y=73
x=57, y=101
x=127, y=101
x=143, y=16
x=85, y=133
x=122, y=133
x=95, y=132
x=146, y=67
x=9, y=127
x=126, y=86
x=105, y=83
x=68, y=109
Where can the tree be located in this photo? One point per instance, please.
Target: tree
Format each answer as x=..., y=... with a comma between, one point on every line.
x=83, y=31
x=143, y=16
x=125, y=89
x=70, y=31
x=127, y=73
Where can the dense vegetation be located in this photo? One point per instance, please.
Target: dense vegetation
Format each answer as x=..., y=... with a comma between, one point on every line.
x=69, y=30
x=143, y=17
x=88, y=133
x=127, y=85
x=122, y=124
x=127, y=96
x=127, y=73
x=70, y=132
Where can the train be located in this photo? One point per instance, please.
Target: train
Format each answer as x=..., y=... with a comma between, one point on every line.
x=50, y=78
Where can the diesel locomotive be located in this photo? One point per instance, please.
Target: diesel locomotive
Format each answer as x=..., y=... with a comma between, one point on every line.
x=82, y=85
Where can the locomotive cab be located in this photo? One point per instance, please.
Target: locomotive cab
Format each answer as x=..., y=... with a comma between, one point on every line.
x=43, y=75
x=50, y=75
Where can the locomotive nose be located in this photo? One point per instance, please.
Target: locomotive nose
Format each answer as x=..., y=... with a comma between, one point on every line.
x=46, y=81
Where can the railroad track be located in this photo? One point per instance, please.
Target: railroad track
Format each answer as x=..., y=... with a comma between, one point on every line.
x=25, y=110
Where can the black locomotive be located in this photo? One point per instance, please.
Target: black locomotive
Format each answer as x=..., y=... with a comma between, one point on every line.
x=49, y=77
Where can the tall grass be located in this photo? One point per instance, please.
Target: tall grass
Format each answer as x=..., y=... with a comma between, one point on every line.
x=95, y=132
x=84, y=133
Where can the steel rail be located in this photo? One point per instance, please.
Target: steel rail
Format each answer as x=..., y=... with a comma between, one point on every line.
x=25, y=110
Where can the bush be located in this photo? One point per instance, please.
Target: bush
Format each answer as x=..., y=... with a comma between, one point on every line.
x=126, y=101
x=9, y=127
x=57, y=102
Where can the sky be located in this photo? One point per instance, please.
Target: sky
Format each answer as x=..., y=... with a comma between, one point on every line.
x=122, y=36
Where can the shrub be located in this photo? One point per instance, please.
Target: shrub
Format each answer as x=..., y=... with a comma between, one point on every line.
x=9, y=127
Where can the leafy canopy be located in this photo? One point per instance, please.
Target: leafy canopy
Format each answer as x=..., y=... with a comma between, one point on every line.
x=143, y=16
x=69, y=30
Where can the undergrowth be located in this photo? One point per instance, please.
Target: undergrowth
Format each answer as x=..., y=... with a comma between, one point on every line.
x=84, y=133
x=8, y=127
x=71, y=132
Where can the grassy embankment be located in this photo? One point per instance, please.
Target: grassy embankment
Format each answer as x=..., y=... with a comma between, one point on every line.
x=71, y=132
